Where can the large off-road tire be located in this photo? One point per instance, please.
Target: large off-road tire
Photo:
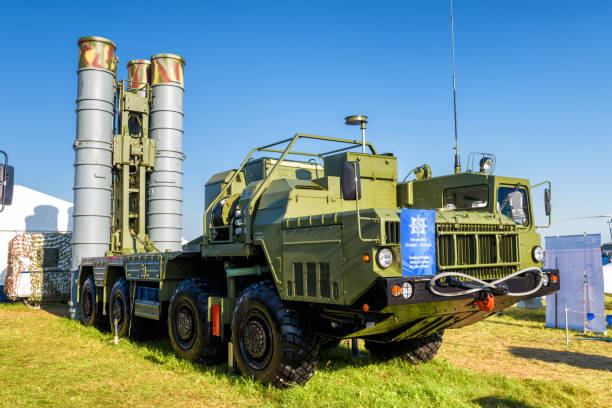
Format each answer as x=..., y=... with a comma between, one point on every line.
x=91, y=315
x=270, y=340
x=188, y=326
x=120, y=308
x=417, y=350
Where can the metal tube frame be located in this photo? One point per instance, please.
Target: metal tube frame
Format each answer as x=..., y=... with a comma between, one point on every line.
x=266, y=181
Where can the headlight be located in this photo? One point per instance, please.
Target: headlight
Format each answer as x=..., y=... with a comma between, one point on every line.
x=537, y=253
x=545, y=280
x=384, y=258
x=406, y=290
x=485, y=164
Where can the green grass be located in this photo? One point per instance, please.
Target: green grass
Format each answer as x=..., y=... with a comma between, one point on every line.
x=46, y=360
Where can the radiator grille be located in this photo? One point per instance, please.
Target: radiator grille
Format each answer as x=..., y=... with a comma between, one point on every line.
x=466, y=250
x=308, y=279
x=392, y=232
x=298, y=276
x=311, y=279
x=324, y=282
x=488, y=249
x=485, y=251
x=508, y=248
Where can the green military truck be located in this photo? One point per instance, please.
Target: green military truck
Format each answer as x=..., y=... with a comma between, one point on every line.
x=299, y=253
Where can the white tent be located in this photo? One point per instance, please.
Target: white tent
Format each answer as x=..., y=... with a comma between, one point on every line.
x=31, y=211
x=578, y=258
x=607, y=272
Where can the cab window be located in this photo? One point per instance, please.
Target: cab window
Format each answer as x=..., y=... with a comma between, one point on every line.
x=466, y=198
x=513, y=203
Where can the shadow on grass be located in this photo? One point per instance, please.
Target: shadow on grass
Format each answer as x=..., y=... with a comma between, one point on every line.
x=509, y=323
x=529, y=315
x=158, y=349
x=58, y=309
x=330, y=360
x=494, y=401
x=580, y=360
x=337, y=358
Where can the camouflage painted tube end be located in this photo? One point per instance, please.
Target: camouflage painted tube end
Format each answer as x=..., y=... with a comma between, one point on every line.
x=97, y=52
x=138, y=73
x=167, y=68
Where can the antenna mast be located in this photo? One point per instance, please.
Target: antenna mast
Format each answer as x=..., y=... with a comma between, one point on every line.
x=457, y=160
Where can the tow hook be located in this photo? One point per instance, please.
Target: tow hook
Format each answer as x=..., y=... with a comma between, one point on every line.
x=486, y=303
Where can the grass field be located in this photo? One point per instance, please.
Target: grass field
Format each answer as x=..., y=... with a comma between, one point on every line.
x=505, y=361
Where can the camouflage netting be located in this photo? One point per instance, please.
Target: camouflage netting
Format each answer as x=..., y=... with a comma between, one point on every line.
x=46, y=256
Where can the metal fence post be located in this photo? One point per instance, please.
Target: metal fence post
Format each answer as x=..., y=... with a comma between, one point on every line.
x=566, y=328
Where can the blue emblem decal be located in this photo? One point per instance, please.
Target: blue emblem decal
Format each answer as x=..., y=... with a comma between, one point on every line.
x=418, y=232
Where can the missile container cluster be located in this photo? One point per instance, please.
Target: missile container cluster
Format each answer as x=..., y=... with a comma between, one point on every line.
x=299, y=250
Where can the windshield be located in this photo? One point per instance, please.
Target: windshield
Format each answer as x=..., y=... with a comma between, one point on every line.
x=512, y=202
x=607, y=247
x=466, y=198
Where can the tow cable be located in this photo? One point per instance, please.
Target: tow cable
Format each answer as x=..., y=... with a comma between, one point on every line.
x=490, y=288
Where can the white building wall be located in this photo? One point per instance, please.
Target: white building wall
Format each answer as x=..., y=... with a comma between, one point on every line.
x=31, y=211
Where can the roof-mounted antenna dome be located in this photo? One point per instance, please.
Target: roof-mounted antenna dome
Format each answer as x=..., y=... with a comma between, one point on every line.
x=358, y=120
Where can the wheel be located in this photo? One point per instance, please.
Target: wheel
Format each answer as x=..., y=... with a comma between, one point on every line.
x=270, y=341
x=91, y=315
x=188, y=327
x=120, y=309
x=416, y=350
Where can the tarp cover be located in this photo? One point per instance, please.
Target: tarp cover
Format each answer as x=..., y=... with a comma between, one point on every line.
x=578, y=258
x=46, y=257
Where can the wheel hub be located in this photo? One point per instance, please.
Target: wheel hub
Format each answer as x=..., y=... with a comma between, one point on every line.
x=255, y=339
x=184, y=324
x=117, y=311
x=87, y=303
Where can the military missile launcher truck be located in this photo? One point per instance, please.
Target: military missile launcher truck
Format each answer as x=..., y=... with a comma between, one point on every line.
x=302, y=248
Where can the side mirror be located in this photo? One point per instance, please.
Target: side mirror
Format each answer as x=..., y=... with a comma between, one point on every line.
x=7, y=177
x=547, y=205
x=350, y=181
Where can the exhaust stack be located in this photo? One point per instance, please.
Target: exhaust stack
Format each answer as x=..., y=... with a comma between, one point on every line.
x=165, y=188
x=93, y=148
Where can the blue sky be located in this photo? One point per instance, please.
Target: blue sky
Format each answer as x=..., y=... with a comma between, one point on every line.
x=534, y=85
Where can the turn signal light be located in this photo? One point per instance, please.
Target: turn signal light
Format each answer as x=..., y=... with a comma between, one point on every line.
x=396, y=290
x=366, y=258
x=554, y=278
x=366, y=307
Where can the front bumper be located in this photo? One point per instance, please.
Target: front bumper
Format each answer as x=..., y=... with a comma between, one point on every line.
x=391, y=318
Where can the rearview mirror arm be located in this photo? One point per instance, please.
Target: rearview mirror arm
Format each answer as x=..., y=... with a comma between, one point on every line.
x=549, y=194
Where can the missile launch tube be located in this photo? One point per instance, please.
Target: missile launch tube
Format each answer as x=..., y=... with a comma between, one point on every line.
x=93, y=148
x=165, y=188
x=138, y=74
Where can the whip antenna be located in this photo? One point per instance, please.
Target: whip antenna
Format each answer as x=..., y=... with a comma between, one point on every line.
x=457, y=160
